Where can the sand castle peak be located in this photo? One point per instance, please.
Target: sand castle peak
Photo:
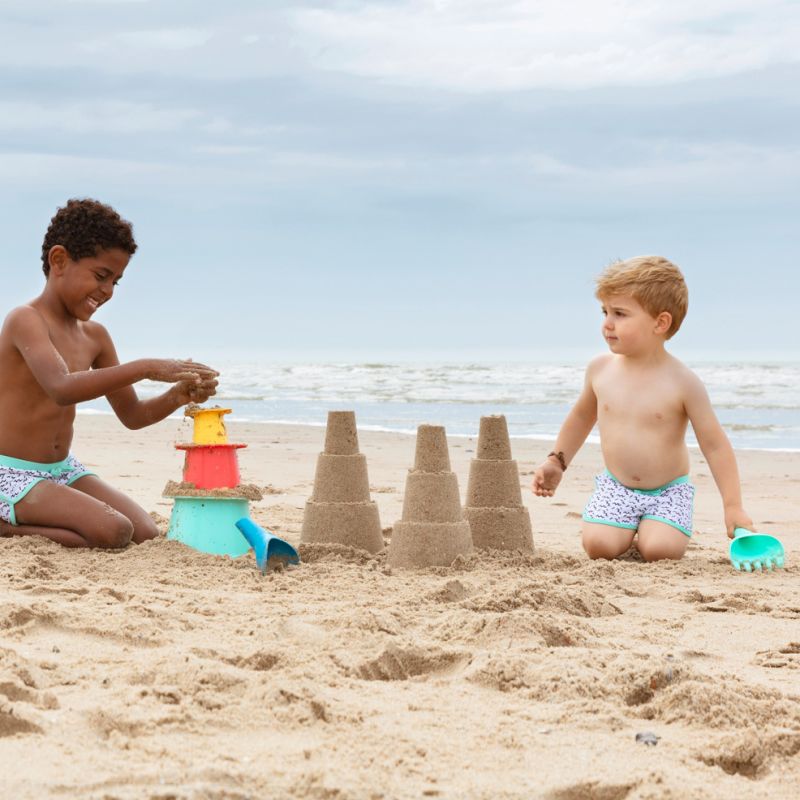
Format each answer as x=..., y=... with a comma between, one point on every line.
x=341, y=434
x=431, y=451
x=493, y=440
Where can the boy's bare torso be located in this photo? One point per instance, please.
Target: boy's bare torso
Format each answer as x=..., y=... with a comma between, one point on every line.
x=46, y=433
x=642, y=419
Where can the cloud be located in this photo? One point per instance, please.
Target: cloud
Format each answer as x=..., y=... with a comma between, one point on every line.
x=510, y=45
x=96, y=118
x=158, y=39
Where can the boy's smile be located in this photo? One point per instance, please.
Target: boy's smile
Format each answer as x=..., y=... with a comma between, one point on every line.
x=88, y=283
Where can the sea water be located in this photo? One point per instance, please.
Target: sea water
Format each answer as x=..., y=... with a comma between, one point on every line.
x=758, y=403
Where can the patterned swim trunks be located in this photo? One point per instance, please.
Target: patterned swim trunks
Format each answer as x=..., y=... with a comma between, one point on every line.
x=617, y=505
x=18, y=477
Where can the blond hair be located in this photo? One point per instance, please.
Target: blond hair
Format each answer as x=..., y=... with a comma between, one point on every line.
x=654, y=282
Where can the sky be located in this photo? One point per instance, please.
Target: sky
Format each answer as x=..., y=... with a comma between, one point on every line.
x=406, y=180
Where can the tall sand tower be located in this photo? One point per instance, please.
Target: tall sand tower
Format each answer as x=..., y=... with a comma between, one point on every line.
x=339, y=510
x=494, y=501
x=432, y=531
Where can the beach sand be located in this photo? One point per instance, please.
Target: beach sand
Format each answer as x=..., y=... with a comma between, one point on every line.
x=161, y=672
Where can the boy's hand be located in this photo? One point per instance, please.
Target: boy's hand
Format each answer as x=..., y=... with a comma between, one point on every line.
x=194, y=390
x=546, y=478
x=737, y=517
x=169, y=370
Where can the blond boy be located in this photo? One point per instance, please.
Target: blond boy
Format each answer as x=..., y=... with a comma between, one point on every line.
x=642, y=398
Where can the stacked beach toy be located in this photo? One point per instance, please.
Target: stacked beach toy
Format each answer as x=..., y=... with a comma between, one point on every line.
x=210, y=501
x=211, y=511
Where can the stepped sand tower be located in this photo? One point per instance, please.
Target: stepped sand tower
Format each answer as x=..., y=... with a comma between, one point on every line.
x=432, y=531
x=494, y=501
x=339, y=510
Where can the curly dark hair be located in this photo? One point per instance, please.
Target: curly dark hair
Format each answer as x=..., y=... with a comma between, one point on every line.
x=83, y=227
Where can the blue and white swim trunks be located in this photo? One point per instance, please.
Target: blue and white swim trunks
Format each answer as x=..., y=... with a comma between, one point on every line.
x=18, y=477
x=618, y=505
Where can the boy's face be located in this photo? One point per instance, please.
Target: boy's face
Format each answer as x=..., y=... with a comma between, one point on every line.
x=86, y=284
x=628, y=328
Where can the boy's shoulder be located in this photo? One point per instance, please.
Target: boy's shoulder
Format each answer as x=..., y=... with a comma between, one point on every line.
x=683, y=377
x=27, y=318
x=599, y=363
x=25, y=314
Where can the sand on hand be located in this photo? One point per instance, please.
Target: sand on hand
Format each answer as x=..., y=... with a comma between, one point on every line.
x=494, y=508
x=340, y=510
x=432, y=531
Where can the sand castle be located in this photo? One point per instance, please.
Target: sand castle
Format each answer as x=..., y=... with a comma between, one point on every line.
x=494, y=507
x=433, y=530
x=340, y=510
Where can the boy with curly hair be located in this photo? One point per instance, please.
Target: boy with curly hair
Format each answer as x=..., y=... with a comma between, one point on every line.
x=52, y=356
x=642, y=399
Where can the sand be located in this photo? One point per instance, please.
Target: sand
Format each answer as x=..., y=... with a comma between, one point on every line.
x=160, y=672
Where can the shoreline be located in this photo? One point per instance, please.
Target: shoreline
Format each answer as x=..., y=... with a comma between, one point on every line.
x=593, y=439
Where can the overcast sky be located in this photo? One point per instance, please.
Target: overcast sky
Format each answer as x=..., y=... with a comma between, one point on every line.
x=409, y=179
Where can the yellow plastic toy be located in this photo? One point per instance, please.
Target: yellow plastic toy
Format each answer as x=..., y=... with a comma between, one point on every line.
x=209, y=427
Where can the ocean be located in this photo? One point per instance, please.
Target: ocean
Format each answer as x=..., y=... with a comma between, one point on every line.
x=758, y=403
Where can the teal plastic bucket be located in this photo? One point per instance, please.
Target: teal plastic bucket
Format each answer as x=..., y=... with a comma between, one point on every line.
x=208, y=524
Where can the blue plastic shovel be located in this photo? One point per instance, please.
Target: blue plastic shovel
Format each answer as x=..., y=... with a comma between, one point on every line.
x=750, y=551
x=269, y=549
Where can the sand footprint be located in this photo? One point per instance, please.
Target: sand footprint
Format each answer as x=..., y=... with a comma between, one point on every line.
x=788, y=656
x=400, y=664
x=592, y=790
x=20, y=698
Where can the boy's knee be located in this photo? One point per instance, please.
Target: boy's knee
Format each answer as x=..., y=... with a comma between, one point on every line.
x=601, y=545
x=657, y=552
x=594, y=545
x=595, y=549
x=115, y=532
x=144, y=530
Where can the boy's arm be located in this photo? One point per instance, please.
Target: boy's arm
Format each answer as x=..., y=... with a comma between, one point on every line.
x=134, y=413
x=574, y=430
x=31, y=336
x=718, y=452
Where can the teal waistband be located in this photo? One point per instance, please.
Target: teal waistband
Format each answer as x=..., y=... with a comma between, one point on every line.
x=54, y=468
x=682, y=479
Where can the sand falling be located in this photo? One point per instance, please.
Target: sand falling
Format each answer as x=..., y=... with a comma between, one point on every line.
x=339, y=510
x=494, y=506
x=432, y=531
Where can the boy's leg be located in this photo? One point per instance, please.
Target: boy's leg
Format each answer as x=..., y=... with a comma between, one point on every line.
x=69, y=517
x=605, y=541
x=659, y=540
x=143, y=526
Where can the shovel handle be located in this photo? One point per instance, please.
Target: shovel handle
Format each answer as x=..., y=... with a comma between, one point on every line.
x=737, y=532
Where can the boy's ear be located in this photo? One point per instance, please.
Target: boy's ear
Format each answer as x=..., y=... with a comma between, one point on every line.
x=57, y=258
x=663, y=322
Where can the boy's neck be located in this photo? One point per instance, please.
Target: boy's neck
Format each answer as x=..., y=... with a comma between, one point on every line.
x=652, y=355
x=50, y=302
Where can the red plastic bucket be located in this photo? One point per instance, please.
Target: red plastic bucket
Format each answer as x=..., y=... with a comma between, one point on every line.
x=211, y=466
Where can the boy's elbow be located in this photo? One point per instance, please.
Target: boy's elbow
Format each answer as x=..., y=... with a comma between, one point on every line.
x=61, y=396
x=131, y=422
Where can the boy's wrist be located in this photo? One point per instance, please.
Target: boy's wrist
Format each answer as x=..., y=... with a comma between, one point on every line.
x=557, y=456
